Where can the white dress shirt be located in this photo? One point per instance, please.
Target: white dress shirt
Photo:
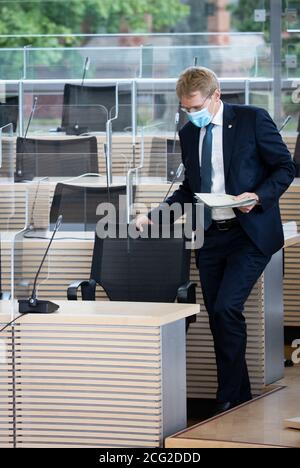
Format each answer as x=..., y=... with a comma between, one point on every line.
x=218, y=177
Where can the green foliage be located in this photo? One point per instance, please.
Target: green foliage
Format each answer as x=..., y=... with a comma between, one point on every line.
x=57, y=17
x=83, y=16
x=243, y=15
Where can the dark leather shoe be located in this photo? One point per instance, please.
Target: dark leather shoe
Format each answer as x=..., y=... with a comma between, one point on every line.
x=222, y=408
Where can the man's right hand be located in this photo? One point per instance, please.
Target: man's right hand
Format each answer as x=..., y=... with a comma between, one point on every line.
x=141, y=221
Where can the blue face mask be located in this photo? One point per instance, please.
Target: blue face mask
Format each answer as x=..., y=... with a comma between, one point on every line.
x=200, y=118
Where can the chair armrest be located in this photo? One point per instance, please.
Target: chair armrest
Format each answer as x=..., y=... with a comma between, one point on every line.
x=88, y=290
x=187, y=294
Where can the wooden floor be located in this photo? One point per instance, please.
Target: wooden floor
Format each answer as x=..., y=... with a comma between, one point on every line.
x=259, y=423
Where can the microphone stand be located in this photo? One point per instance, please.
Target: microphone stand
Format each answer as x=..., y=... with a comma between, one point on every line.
x=34, y=305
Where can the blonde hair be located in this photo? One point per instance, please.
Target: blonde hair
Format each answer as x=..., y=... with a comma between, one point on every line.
x=195, y=79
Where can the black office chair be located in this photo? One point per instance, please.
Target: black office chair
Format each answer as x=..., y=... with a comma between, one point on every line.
x=56, y=157
x=237, y=97
x=141, y=269
x=9, y=111
x=87, y=109
x=173, y=160
x=78, y=205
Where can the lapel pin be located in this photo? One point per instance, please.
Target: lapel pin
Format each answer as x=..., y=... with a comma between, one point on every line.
x=230, y=126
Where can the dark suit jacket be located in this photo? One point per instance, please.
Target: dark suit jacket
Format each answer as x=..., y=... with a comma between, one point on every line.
x=255, y=160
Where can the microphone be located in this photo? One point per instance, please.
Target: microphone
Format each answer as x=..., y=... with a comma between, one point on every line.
x=78, y=129
x=20, y=162
x=85, y=69
x=286, y=121
x=34, y=305
x=176, y=176
x=106, y=173
x=177, y=120
x=31, y=115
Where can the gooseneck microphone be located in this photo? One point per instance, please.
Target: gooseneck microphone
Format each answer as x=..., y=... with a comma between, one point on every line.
x=33, y=304
x=20, y=162
x=31, y=115
x=85, y=69
x=286, y=121
x=77, y=128
x=176, y=176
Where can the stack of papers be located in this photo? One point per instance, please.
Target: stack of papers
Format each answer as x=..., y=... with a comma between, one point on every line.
x=222, y=200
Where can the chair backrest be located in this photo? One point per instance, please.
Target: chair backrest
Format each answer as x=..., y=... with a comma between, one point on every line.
x=147, y=270
x=173, y=160
x=237, y=97
x=56, y=157
x=90, y=107
x=9, y=111
x=78, y=205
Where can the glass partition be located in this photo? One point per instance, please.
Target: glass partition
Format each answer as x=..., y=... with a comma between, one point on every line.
x=247, y=58
x=291, y=121
x=56, y=157
x=292, y=56
x=154, y=152
x=69, y=63
x=29, y=244
x=76, y=119
x=9, y=105
x=7, y=144
x=13, y=219
x=293, y=15
x=153, y=103
x=291, y=106
x=81, y=203
x=12, y=63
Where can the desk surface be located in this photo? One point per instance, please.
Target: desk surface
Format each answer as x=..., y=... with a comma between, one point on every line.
x=291, y=237
x=151, y=314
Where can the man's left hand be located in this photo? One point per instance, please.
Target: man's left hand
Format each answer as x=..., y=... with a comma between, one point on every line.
x=248, y=208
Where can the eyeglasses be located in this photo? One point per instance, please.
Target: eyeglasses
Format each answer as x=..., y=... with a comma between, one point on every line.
x=195, y=108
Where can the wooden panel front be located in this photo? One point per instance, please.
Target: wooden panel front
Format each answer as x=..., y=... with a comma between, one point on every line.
x=88, y=386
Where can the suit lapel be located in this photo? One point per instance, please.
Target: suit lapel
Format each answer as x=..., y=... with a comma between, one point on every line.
x=229, y=132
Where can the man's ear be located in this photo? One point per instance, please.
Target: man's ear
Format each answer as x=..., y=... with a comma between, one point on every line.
x=218, y=94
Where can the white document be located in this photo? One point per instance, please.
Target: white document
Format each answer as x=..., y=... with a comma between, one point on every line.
x=222, y=200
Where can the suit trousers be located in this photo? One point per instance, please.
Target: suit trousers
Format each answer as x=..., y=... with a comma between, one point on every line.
x=229, y=265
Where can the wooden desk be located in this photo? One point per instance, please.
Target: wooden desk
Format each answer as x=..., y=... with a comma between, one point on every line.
x=94, y=374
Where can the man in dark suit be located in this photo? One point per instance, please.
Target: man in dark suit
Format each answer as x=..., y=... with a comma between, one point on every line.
x=238, y=150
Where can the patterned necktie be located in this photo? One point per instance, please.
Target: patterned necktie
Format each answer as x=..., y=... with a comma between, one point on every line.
x=206, y=171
